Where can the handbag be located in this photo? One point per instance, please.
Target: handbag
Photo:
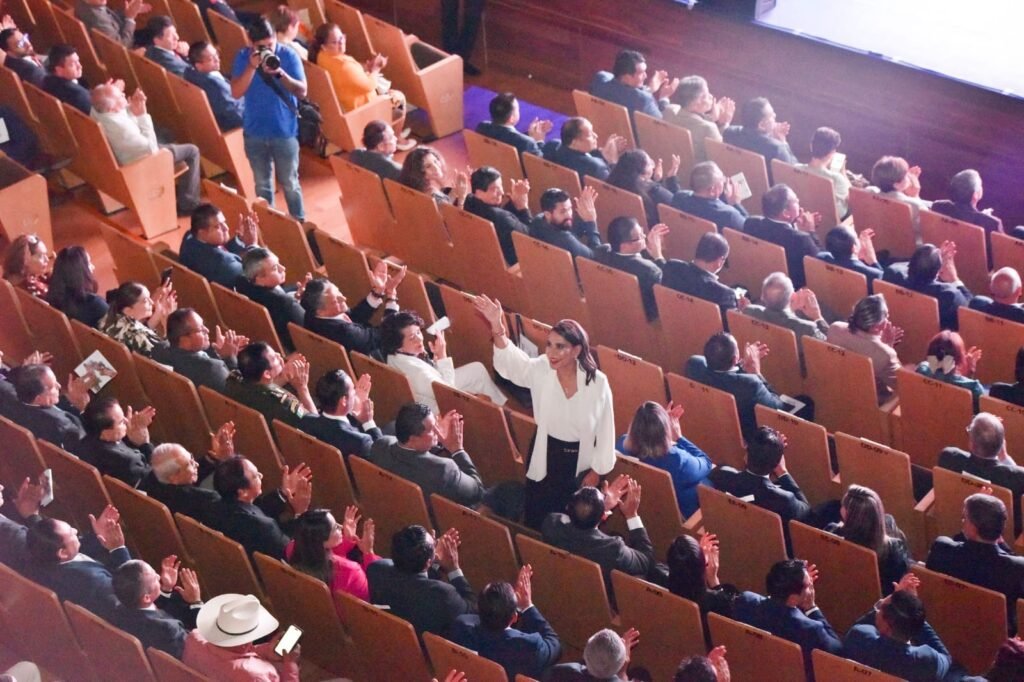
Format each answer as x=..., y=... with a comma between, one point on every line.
x=310, y=119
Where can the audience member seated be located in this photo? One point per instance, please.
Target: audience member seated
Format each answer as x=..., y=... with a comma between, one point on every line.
x=760, y=132
x=699, y=277
x=700, y=113
x=135, y=318
x=18, y=515
x=116, y=25
x=847, y=249
x=154, y=607
x=1005, y=286
x=508, y=215
x=129, y=131
x=378, y=153
x=555, y=224
x=424, y=171
x=191, y=353
x=637, y=172
x=321, y=548
x=797, y=311
x=218, y=7
x=577, y=530
x=893, y=177
x=948, y=361
x=116, y=442
x=175, y=474
x=965, y=191
x=625, y=85
x=656, y=438
x=212, y=249
x=64, y=73
x=257, y=521
x=824, y=144
x=869, y=331
x=57, y=562
x=631, y=250
x=721, y=367
x=346, y=414
x=286, y=25
x=932, y=271
x=262, y=280
x=214, y=650
x=205, y=73
x=712, y=196
x=401, y=341
x=1012, y=393
x=577, y=149
x=260, y=383
x=789, y=610
x=167, y=49
x=864, y=522
x=504, y=110
x=710, y=668
x=693, y=574
x=27, y=264
x=22, y=144
x=41, y=409
x=787, y=224
x=895, y=638
x=605, y=657
x=411, y=587
x=18, y=55
x=510, y=630
x=328, y=314
x=73, y=286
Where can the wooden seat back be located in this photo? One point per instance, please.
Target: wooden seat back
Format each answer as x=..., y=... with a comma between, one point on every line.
x=608, y=118
x=344, y=129
x=169, y=669
x=817, y=193
x=51, y=332
x=915, y=313
x=59, y=139
x=424, y=245
x=543, y=175
x=688, y=321
x=357, y=41
x=16, y=340
x=468, y=338
x=153, y=78
x=837, y=289
x=750, y=649
x=346, y=265
x=382, y=641
x=951, y=489
x=486, y=436
x=133, y=259
x=669, y=140
x=750, y=261
x=221, y=563
x=108, y=647
x=711, y=422
x=187, y=421
x=390, y=500
x=632, y=381
x=446, y=655
x=193, y=290
x=998, y=337
x=78, y=486
x=76, y=34
x=808, y=453
x=188, y=21
x=230, y=37
x=891, y=220
x=732, y=160
x=245, y=316
x=45, y=24
x=781, y=367
x=366, y=206
x=971, y=250
x=286, y=237
x=115, y=57
x=480, y=262
x=323, y=354
x=612, y=202
x=147, y=522
x=391, y=388
x=842, y=384
x=926, y=430
x=836, y=669
x=126, y=386
x=486, y=551
x=486, y=151
x=659, y=493
x=684, y=232
x=22, y=458
x=547, y=268
x=333, y=486
x=252, y=433
x=12, y=94
x=616, y=310
x=1007, y=251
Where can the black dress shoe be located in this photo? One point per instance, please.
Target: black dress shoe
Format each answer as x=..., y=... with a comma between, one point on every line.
x=470, y=70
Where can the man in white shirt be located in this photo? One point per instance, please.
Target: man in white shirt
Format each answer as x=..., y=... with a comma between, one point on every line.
x=129, y=131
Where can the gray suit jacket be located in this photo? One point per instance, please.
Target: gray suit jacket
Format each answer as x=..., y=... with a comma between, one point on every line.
x=202, y=368
x=455, y=478
x=384, y=166
x=430, y=605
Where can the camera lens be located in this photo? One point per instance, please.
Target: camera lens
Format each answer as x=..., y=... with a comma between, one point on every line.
x=270, y=60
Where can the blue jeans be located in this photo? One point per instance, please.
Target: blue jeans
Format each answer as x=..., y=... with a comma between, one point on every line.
x=281, y=154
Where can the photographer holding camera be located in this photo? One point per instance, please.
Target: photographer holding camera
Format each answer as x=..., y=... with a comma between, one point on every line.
x=270, y=77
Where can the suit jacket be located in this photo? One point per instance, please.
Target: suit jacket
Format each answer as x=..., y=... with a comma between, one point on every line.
x=226, y=109
x=429, y=605
x=358, y=335
x=121, y=460
x=647, y=272
x=748, y=389
x=811, y=630
x=220, y=265
x=164, y=627
x=1013, y=313
x=85, y=582
x=1011, y=393
x=509, y=135
x=610, y=552
x=715, y=210
x=606, y=86
x=984, y=564
x=281, y=305
x=766, y=146
x=202, y=368
x=345, y=434
x=505, y=220
x=68, y=91
x=112, y=24
x=968, y=214
x=455, y=478
x=800, y=326
x=171, y=61
x=253, y=525
x=384, y=166
x=950, y=295
x=580, y=241
x=871, y=272
x=783, y=497
x=529, y=648
x=26, y=69
x=584, y=163
x=190, y=500
x=52, y=424
x=796, y=243
x=13, y=537
x=90, y=311
x=690, y=279
x=924, y=659
x=700, y=130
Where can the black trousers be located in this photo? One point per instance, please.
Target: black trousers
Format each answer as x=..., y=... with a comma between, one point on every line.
x=453, y=40
x=553, y=492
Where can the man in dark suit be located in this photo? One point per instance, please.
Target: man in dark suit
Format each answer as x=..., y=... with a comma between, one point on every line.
x=626, y=83
x=260, y=380
x=57, y=562
x=346, y=414
x=555, y=224
x=409, y=584
x=153, y=607
x=760, y=132
x=577, y=149
x=845, y=248
x=932, y=271
x=20, y=57
x=116, y=443
x=262, y=280
x=631, y=250
x=192, y=354
x=63, y=80
x=41, y=409
x=965, y=191
x=378, y=153
x=510, y=630
x=488, y=200
x=789, y=610
x=206, y=73
x=210, y=248
x=712, y=196
x=786, y=224
x=14, y=527
x=1005, y=286
x=175, y=473
x=981, y=557
x=167, y=49
x=249, y=517
x=502, y=126
x=699, y=277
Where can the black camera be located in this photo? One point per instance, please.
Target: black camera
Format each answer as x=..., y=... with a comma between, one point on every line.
x=268, y=60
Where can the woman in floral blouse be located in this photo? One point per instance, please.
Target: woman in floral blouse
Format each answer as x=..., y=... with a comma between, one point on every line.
x=137, y=319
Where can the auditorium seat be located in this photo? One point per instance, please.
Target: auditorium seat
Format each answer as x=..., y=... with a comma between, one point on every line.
x=187, y=421
x=544, y=175
x=343, y=129
x=687, y=322
x=664, y=141
x=390, y=500
x=391, y=388
x=126, y=386
x=147, y=523
x=75, y=33
x=231, y=38
x=950, y=489
x=807, y=453
x=616, y=310
x=245, y=316
x=486, y=151
x=350, y=20
x=169, y=669
x=608, y=118
x=133, y=260
x=109, y=648
x=925, y=429
x=366, y=206
x=612, y=202
x=160, y=102
x=890, y=219
x=78, y=488
x=546, y=269
x=632, y=381
x=47, y=31
x=332, y=486
x=916, y=314
x=756, y=655
x=1007, y=251
x=999, y=339
x=710, y=420
x=971, y=251
x=16, y=340
x=446, y=655
x=479, y=261
x=221, y=563
x=750, y=261
x=684, y=231
x=286, y=237
x=424, y=244
x=323, y=354
x=193, y=291
x=12, y=95
x=486, y=553
x=469, y=337
x=252, y=433
x=838, y=289
x=22, y=458
x=412, y=291
x=781, y=367
x=188, y=21
x=486, y=435
x=732, y=160
x=836, y=669
x=662, y=518
x=115, y=56
x=346, y=266
x=51, y=126
x=51, y=332
x=382, y=641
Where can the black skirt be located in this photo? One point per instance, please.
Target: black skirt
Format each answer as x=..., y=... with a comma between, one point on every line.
x=553, y=492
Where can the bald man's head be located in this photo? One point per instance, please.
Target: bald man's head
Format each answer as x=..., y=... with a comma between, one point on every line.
x=1005, y=285
x=107, y=98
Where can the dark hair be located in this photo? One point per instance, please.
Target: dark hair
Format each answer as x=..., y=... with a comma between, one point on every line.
x=5, y=35
x=373, y=133
x=178, y=325
x=888, y=172
x=58, y=54
x=764, y=450
x=924, y=265
x=158, y=23
x=650, y=434
x=501, y=108
x=824, y=142
x=72, y=280
x=260, y=29
x=124, y=296
x=711, y=247
x=320, y=36
x=229, y=477
x=17, y=254
x=551, y=197
x=43, y=543
x=905, y=614
x=195, y=55
x=282, y=18
x=496, y=606
x=409, y=421
x=252, y=361
x=413, y=174
x=785, y=578
x=753, y=111
x=576, y=335
x=411, y=549
x=571, y=129
x=775, y=199
x=96, y=418
x=483, y=177
x=686, y=568
x=626, y=62
x=586, y=508
x=619, y=231
x=949, y=343
x=1009, y=663
x=840, y=242
x=1018, y=365
x=720, y=351
x=695, y=669
x=629, y=171
x=28, y=381
x=865, y=518
x=313, y=294
x=987, y=514
x=391, y=329
x=308, y=553
x=203, y=217
x=331, y=388
x=867, y=312
x=127, y=583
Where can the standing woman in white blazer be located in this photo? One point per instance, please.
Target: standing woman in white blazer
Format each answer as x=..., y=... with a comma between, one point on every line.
x=572, y=405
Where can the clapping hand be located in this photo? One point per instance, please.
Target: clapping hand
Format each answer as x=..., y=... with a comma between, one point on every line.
x=222, y=443
x=523, y=588
x=248, y=230
x=350, y=524
x=169, y=573
x=297, y=487
x=439, y=347
x=138, y=424
x=108, y=528
x=753, y=353
x=447, y=550
x=30, y=496
x=712, y=558
x=675, y=413
x=585, y=205
x=614, y=491
x=227, y=344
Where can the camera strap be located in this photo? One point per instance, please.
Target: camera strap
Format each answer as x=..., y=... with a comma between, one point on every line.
x=278, y=90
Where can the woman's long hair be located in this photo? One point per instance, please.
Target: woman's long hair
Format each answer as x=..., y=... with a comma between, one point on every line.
x=650, y=433
x=309, y=554
x=576, y=335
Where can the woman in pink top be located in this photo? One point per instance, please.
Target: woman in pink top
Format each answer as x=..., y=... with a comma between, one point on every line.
x=321, y=546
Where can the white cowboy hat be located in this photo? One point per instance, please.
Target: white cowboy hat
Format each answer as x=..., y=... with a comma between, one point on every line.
x=234, y=619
